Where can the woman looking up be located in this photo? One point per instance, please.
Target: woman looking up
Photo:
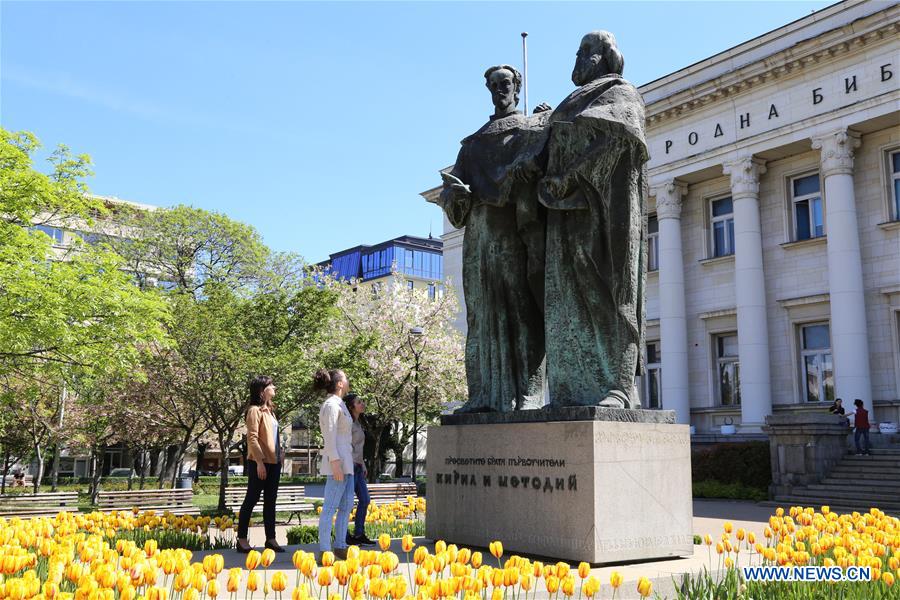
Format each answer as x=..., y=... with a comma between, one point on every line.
x=335, y=423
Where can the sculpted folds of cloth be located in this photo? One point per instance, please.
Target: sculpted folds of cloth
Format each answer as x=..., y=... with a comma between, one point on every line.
x=503, y=269
x=554, y=248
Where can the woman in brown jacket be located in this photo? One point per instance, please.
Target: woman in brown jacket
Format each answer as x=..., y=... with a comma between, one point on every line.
x=264, y=457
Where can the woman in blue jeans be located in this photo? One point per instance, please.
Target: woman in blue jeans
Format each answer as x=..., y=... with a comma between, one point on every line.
x=357, y=407
x=335, y=423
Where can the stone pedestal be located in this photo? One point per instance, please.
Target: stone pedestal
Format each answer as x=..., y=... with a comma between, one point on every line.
x=586, y=484
x=804, y=448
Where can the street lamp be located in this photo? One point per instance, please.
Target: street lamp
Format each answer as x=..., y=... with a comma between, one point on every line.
x=415, y=332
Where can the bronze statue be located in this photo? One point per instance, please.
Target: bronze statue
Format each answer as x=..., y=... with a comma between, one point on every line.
x=502, y=253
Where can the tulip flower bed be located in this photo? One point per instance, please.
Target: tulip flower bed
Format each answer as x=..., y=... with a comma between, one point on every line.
x=803, y=537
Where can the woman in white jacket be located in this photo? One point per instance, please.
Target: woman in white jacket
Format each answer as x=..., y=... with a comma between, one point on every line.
x=336, y=424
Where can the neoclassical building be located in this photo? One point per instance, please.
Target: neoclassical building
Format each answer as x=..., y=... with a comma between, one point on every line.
x=774, y=224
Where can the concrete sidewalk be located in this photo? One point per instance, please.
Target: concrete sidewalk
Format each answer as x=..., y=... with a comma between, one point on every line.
x=709, y=517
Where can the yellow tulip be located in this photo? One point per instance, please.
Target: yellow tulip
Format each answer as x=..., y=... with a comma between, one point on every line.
x=496, y=549
x=552, y=584
x=728, y=526
x=644, y=587
x=568, y=586
x=476, y=559
x=279, y=581
x=888, y=578
x=325, y=577
x=584, y=570
x=615, y=579
x=327, y=559
x=407, y=543
x=384, y=541
x=253, y=558
x=591, y=586
x=253, y=581
x=300, y=593
x=729, y=562
x=212, y=588
x=267, y=558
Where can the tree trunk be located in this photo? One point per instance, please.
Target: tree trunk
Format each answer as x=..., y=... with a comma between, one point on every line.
x=98, y=458
x=145, y=459
x=131, y=473
x=40, y=468
x=223, y=483
x=54, y=469
x=6, y=465
x=375, y=462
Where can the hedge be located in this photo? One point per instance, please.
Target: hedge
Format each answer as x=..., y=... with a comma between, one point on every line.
x=746, y=463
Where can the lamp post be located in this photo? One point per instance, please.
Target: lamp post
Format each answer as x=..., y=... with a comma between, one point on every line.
x=413, y=333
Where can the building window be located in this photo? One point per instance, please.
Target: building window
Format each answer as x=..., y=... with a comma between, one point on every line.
x=895, y=183
x=806, y=200
x=410, y=285
x=432, y=291
x=722, y=227
x=653, y=378
x=728, y=369
x=652, y=243
x=55, y=233
x=816, y=363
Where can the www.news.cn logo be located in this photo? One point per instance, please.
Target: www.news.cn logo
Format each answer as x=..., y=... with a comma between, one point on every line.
x=807, y=573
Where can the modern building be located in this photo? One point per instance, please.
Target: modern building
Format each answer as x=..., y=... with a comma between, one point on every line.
x=420, y=261
x=774, y=224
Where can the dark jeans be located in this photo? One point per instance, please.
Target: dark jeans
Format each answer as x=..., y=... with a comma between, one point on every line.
x=864, y=434
x=255, y=486
x=362, y=501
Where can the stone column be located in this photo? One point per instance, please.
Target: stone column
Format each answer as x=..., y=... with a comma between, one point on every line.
x=849, y=334
x=750, y=293
x=672, y=313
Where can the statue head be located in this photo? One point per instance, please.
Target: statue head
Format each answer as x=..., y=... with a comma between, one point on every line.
x=597, y=56
x=504, y=82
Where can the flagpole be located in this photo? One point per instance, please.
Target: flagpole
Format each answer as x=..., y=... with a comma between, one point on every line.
x=525, y=68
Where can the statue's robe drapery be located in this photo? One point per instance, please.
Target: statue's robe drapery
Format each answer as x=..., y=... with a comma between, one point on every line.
x=502, y=265
x=595, y=254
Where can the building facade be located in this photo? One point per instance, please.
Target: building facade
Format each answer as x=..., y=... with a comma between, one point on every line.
x=774, y=224
x=419, y=260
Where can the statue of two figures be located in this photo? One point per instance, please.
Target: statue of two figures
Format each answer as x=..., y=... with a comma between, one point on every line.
x=554, y=247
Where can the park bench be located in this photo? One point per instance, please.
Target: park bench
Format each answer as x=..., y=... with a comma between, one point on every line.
x=291, y=499
x=47, y=504
x=177, y=501
x=385, y=493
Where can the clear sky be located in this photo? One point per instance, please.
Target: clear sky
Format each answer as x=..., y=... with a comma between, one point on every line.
x=318, y=123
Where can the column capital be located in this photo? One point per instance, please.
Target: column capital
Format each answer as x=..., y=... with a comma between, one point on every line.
x=745, y=172
x=837, y=151
x=668, y=199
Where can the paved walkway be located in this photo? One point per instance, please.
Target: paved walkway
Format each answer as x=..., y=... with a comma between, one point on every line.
x=709, y=517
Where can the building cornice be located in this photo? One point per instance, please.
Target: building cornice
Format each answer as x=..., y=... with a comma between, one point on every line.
x=848, y=38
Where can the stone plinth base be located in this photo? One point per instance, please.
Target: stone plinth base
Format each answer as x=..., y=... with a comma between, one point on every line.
x=595, y=490
x=804, y=448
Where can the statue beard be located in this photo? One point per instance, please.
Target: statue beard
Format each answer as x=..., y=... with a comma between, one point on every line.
x=510, y=107
x=587, y=71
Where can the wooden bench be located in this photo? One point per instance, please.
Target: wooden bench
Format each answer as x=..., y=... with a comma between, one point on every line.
x=179, y=502
x=46, y=504
x=291, y=498
x=385, y=493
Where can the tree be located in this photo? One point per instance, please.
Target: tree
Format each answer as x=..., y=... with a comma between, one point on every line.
x=388, y=382
x=64, y=315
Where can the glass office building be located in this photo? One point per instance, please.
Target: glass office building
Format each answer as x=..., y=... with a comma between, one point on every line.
x=415, y=257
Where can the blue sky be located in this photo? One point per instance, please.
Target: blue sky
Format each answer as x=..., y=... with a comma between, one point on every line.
x=318, y=123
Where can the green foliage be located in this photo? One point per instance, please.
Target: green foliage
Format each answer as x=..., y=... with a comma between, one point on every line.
x=731, y=491
x=170, y=538
x=302, y=534
x=748, y=463
x=698, y=539
x=396, y=529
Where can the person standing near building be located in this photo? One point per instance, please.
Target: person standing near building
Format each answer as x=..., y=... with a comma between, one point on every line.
x=357, y=407
x=861, y=427
x=336, y=425
x=837, y=408
x=264, y=458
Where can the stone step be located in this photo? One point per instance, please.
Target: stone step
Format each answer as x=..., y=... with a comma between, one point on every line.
x=786, y=502
x=852, y=471
x=872, y=459
x=886, y=491
x=878, y=482
x=852, y=497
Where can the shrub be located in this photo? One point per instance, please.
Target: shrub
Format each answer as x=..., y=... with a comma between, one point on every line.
x=731, y=491
x=302, y=534
x=741, y=462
